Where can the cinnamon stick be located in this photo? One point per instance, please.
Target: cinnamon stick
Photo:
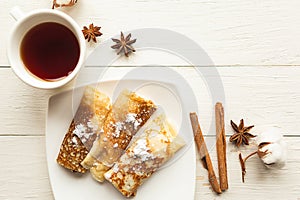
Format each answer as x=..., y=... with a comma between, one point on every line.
x=221, y=146
x=203, y=152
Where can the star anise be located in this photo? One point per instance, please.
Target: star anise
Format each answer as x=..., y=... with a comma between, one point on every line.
x=242, y=134
x=124, y=44
x=91, y=33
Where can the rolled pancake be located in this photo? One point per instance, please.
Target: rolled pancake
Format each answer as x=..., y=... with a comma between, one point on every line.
x=155, y=143
x=86, y=125
x=128, y=114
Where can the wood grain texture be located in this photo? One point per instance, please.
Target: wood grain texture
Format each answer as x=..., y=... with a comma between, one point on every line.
x=23, y=168
x=22, y=106
x=263, y=96
x=24, y=172
x=232, y=32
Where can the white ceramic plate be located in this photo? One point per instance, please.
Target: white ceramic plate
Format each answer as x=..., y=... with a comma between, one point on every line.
x=176, y=180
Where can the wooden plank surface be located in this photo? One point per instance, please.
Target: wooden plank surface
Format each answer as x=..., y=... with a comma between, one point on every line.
x=232, y=32
x=263, y=96
x=23, y=168
x=253, y=43
x=25, y=176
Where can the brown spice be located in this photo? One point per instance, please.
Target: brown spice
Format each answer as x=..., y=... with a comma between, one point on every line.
x=242, y=134
x=124, y=44
x=203, y=152
x=91, y=33
x=221, y=146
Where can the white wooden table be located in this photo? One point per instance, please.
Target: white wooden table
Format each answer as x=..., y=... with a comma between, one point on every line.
x=254, y=45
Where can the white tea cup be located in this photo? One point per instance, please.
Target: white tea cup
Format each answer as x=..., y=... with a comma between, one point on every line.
x=26, y=22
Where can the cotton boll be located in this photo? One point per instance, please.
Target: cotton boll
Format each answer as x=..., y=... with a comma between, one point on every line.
x=273, y=155
x=62, y=3
x=272, y=148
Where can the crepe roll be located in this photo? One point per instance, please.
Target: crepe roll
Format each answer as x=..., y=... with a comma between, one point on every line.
x=129, y=112
x=85, y=127
x=155, y=143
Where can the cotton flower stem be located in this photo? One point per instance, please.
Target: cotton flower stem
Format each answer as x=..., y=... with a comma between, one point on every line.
x=243, y=161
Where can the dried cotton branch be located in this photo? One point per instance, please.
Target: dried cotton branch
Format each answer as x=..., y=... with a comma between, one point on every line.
x=271, y=150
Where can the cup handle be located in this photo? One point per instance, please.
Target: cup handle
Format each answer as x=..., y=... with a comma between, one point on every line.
x=16, y=13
